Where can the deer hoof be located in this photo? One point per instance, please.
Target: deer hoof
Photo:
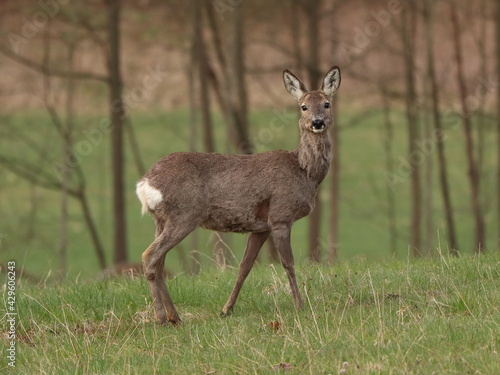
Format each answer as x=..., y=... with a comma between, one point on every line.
x=172, y=322
x=226, y=312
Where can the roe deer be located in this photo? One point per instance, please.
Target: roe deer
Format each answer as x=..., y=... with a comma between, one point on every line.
x=258, y=194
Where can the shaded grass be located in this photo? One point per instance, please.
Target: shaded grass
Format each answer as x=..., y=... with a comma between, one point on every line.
x=427, y=316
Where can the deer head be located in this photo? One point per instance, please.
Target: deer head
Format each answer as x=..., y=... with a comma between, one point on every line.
x=316, y=116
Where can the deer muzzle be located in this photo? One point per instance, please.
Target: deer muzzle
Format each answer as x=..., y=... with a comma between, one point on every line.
x=318, y=125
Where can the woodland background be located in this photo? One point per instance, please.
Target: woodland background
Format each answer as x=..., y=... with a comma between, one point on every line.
x=92, y=93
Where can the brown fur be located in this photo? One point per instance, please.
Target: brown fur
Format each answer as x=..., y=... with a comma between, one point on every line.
x=257, y=194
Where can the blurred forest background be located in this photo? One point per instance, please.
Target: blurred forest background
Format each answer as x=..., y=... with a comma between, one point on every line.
x=94, y=92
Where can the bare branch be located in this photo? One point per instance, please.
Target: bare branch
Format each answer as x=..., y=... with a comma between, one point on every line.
x=44, y=69
x=34, y=174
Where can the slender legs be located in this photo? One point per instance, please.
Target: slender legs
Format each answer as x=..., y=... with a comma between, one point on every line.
x=254, y=244
x=153, y=260
x=281, y=236
x=167, y=236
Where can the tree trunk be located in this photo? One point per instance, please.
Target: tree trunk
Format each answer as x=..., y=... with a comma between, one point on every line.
x=469, y=143
x=333, y=229
x=134, y=147
x=295, y=31
x=483, y=68
x=220, y=85
x=238, y=105
x=194, y=264
x=498, y=116
x=428, y=170
x=66, y=174
x=312, y=11
x=117, y=117
x=409, y=20
x=203, y=79
x=82, y=198
x=428, y=185
x=333, y=222
x=389, y=164
x=439, y=132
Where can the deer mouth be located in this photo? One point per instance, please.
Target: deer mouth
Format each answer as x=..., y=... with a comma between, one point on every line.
x=318, y=126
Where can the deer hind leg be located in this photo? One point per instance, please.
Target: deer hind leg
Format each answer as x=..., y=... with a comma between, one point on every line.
x=153, y=260
x=254, y=244
x=281, y=236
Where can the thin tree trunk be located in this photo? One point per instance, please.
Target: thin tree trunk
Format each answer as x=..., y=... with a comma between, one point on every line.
x=134, y=146
x=220, y=85
x=428, y=186
x=217, y=41
x=409, y=19
x=333, y=230
x=237, y=88
x=498, y=117
x=469, y=144
x=333, y=222
x=203, y=74
x=439, y=132
x=66, y=174
x=389, y=163
x=117, y=116
x=481, y=116
x=82, y=198
x=428, y=171
x=201, y=60
x=194, y=264
x=312, y=11
x=295, y=30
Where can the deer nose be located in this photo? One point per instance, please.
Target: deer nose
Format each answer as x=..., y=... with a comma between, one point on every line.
x=318, y=123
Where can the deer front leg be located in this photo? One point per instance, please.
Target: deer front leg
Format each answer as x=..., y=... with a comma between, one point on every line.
x=254, y=244
x=281, y=236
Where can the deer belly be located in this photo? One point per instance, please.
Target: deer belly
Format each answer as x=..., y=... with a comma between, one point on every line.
x=226, y=219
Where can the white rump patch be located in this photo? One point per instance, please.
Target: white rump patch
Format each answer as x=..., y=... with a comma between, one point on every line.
x=148, y=195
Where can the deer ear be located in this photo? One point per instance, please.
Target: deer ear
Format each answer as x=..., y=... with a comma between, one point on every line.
x=331, y=82
x=293, y=85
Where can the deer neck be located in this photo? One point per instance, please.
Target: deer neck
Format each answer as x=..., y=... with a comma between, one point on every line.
x=314, y=154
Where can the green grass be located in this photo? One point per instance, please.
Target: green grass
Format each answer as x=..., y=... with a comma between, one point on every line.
x=395, y=317
x=30, y=235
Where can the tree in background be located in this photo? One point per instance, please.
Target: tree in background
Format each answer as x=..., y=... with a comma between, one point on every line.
x=312, y=11
x=439, y=132
x=202, y=74
x=66, y=177
x=408, y=34
x=473, y=173
x=498, y=114
x=237, y=90
x=117, y=116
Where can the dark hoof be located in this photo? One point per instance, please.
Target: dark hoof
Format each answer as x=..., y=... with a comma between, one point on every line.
x=225, y=314
x=167, y=322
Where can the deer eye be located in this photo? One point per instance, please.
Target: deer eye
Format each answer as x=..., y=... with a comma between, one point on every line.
x=303, y=107
x=327, y=105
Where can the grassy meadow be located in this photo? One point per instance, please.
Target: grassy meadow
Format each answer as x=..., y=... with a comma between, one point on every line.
x=371, y=312
x=31, y=215
x=428, y=316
